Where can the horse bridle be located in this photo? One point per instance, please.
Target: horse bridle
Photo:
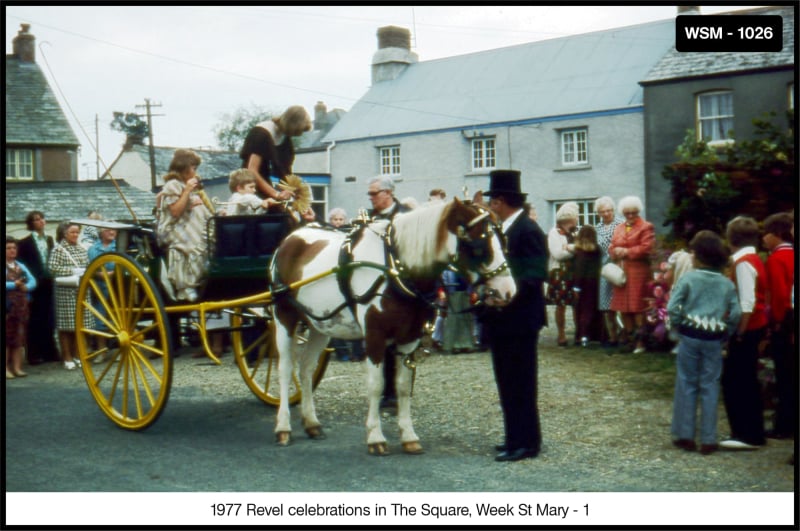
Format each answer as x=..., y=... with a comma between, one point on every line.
x=474, y=250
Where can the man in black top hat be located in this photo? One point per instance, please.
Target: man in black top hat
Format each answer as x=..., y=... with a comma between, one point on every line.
x=513, y=331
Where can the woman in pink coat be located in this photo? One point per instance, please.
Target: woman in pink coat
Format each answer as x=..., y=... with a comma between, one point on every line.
x=631, y=246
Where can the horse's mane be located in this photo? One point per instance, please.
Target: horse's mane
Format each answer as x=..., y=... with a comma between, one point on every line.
x=420, y=235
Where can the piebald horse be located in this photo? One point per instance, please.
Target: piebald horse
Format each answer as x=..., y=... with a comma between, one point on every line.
x=381, y=281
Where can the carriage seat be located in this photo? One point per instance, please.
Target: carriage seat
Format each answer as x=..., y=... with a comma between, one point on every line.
x=249, y=236
x=242, y=249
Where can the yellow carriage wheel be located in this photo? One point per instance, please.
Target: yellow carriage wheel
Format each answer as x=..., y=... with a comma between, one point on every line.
x=257, y=358
x=124, y=341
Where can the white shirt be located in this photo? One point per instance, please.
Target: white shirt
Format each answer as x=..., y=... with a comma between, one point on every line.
x=510, y=219
x=272, y=127
x=244, y=204
x=745, y=280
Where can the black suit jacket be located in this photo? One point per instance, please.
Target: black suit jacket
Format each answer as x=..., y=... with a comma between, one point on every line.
x=527, y=259
x=397, y=208
x=28, y=254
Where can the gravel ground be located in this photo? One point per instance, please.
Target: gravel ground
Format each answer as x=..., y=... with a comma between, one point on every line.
x=605, y=420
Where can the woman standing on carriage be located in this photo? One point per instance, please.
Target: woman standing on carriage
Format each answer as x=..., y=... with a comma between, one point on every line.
x=268, y=149
x=182, y=218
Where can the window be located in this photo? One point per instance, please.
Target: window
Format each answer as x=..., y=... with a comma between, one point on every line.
x=319, y=201
x=483, y=153
x=586, y=209
x=390, y=160
x=715, y=116
x=574, y=147
x=19, y=164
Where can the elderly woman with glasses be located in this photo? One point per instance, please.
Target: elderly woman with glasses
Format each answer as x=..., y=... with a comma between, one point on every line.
x=631, y=246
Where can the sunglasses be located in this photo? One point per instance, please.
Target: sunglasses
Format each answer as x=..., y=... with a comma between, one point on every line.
x=373, y=194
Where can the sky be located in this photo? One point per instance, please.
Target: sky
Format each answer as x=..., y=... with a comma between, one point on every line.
x=197, y=64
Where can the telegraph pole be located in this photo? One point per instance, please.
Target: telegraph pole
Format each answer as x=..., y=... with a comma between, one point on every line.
x=149, y=115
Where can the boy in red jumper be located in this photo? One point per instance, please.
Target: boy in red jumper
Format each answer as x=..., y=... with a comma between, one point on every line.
x=740, y=389
x=780, y=274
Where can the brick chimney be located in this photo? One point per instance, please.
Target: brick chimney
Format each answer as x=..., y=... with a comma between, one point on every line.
x=25, y=44
x=688, y=10
x=320, y=116
x=394, y=53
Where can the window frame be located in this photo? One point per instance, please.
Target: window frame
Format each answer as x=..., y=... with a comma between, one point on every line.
x=586, y=216
x=479, y=153
x=13, y=160
x=389, y=159
x=320, y=206
x=714, y=119
x=574, y=132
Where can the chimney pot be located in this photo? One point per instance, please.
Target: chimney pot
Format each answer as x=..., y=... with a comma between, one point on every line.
x=394, y=37
x=688, y=10
x=320, y=115
x=24, y=44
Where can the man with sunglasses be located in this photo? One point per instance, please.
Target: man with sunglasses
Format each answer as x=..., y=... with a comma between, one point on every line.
x=384, y=206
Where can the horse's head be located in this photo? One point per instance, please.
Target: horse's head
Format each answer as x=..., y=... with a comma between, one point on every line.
x=480, y=251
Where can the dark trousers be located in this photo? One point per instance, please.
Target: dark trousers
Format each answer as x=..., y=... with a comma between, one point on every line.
x=42, y=324
x=515, y=368
x=783, y=352
x=740, y=388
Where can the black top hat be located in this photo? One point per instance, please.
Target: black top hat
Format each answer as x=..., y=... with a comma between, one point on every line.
x=503, y=182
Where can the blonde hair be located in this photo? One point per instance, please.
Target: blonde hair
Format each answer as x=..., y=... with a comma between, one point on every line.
x=239, y=178
x=295, y=119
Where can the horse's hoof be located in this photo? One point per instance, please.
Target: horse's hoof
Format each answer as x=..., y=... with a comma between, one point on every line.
x=413, y=448
x=379, y=449
x=316, y=433
x=283, y=438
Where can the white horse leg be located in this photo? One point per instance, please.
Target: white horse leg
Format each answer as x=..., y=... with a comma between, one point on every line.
x=404, y=382
x=308, y=358
x=283, y=343
x=376, y=442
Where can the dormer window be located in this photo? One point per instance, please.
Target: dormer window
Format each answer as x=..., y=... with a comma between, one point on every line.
x=19, y=164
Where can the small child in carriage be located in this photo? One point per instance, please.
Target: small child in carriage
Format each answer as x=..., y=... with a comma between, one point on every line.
x=244, y=200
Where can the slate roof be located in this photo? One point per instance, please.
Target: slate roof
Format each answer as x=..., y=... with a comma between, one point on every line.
x=682, y=65
x=61, y=200
x=592, y=72
x=33, y=115
x=215, y=163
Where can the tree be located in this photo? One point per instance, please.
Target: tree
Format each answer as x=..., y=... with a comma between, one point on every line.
x=233, y=127
x=131, y=124
x=747, y=177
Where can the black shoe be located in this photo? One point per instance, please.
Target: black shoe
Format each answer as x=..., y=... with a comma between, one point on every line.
x=500, y=447
x=686, y=444
x=517, y=455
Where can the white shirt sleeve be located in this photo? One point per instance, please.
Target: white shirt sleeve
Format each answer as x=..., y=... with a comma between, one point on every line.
x=746, y=286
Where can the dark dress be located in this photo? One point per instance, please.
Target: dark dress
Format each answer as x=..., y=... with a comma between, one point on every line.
x=513, y=334
x=17, y=309
x=42, y=324
x=586, y=276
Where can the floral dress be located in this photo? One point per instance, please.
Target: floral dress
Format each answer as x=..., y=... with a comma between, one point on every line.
x=604, y=234
x=185, y=239
x=17, y=305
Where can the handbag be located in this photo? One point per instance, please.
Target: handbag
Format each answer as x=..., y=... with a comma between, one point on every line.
x=71, y=281
x=614, y=274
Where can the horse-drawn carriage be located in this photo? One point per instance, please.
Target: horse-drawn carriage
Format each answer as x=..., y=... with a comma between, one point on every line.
x=286, y=294
x=127, y=293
